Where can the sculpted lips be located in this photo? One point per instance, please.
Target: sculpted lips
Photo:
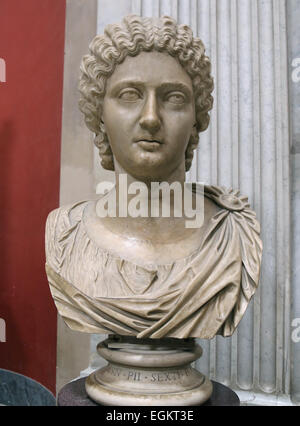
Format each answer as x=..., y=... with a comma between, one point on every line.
x=149, y=144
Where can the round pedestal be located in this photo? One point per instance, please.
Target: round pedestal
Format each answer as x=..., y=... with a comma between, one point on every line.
x=148, y=373
x=74, y=395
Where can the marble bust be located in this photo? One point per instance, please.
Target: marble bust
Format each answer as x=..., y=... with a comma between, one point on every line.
x=146, y=93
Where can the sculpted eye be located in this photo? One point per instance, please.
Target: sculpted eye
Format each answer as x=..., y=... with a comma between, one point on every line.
x=176, y=98
x=129, y=95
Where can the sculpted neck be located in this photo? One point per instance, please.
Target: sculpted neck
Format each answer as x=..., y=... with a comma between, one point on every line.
x=147, y=228
x=177, y=175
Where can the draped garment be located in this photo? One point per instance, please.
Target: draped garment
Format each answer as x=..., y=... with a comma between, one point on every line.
x=201, y=295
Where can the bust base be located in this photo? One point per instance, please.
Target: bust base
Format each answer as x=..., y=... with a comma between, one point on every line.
x=74, y=394
x=146, y=372
x=105, y=396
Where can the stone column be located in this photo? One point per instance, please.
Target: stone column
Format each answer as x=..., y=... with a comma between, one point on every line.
x=247, y=147
x=76, y=179
x=293, y=13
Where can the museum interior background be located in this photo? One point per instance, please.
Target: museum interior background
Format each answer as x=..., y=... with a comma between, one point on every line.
x=253, y=143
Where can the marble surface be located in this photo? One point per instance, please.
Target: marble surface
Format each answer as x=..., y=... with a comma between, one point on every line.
x=148, y=372
x=293, y=7
x=74, y=394
x=19, y=390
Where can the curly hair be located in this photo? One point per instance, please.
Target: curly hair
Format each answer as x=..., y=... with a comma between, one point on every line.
x=133, y=35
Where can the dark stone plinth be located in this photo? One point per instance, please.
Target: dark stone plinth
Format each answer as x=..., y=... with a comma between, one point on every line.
x=222, y=396
x=74, y=394
x=19, y=390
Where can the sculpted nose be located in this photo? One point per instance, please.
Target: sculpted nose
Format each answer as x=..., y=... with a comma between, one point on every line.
x=149, y=118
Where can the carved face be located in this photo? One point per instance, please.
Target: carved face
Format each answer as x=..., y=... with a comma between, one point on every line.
x=149, y=114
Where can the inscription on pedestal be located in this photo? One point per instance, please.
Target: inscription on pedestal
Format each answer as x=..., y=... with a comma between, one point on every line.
x=148, y=376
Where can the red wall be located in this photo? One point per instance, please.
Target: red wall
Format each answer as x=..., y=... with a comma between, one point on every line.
x=32, y=45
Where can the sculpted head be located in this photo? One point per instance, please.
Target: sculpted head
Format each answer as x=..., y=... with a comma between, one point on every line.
x=133, y=36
